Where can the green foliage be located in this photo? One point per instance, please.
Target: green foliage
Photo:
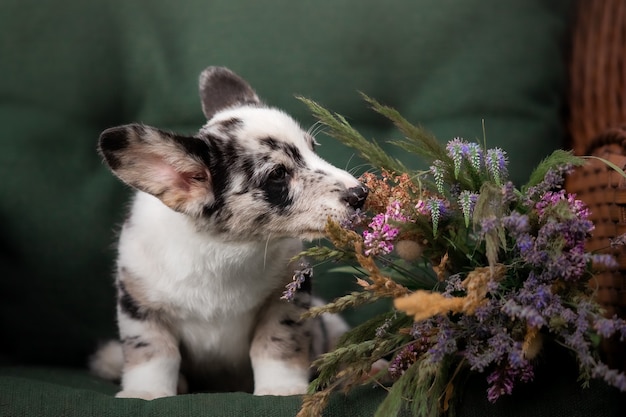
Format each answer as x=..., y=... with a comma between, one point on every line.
x=417, y=141
x=344, y=132
x=353, y=299
x=443, y=244
x=556, y=159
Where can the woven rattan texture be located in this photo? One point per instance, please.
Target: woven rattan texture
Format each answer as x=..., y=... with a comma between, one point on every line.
x=597, y=113
x=604, y=190
x=598, y=70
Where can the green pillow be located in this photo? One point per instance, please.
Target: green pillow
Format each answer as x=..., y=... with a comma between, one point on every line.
x=71, y=69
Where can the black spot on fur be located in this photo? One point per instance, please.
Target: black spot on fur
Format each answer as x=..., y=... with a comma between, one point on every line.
x=272, y=143
x=228, y=125
x=111, y=142
x=222, y=154
x=196, y=147
x=128, y=304
x=289, y=322
x=262, y=219
x=289, y=149
x=289, y=347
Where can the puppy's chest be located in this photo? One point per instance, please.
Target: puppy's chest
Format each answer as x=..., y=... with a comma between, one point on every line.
x=209, y=290
x=217, y=293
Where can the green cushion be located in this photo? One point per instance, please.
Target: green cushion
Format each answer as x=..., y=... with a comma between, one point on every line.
x=73, y=393
x=73, y=68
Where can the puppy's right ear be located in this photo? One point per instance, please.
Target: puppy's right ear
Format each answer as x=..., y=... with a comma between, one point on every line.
x=220, y=88
x=172, y=168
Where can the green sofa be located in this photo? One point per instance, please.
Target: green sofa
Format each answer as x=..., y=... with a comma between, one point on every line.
x=69, y=69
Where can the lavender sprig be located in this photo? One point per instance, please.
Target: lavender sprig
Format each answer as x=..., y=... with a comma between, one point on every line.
x=305, y=272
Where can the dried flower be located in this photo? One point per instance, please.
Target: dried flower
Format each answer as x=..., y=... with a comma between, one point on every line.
x=300, y=276
x=618, y=241
x=484, y=298
x=409, y=250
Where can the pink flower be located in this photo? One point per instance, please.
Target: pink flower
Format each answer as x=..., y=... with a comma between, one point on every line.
x=379, y=239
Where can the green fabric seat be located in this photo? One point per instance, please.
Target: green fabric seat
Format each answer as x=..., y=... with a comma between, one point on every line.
x=70, y=69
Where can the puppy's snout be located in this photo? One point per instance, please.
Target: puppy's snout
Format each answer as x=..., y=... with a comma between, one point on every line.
x=355, y=196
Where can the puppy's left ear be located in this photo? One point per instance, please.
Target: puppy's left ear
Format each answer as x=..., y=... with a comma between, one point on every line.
x=172, y=168
x=220, y=88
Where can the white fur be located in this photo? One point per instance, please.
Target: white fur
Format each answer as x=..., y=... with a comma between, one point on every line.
x=201, y=267
x=202, y=276
x=274, y=377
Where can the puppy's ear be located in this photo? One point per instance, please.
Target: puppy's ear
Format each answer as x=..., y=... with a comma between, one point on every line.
x=221, y=88
x=170, y=167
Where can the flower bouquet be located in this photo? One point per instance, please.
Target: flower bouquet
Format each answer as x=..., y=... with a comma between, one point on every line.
x=481, y=274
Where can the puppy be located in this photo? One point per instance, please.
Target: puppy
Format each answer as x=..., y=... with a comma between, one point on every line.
x=205, y=253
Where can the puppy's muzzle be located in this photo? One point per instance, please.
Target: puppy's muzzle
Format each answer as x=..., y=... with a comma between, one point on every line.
x=355, y=196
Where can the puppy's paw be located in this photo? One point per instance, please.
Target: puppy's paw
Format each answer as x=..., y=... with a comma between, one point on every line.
x=282, y=390
x=144, y=395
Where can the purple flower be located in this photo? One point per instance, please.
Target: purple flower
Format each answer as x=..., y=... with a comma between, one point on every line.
x=509, y=194
x=608, y=327
x=481, y=353
x=445, y=343
x=612, y=376
x=552, y=181
x=517, y=224
x=474, y=155
x=437, y=208
x=488, y=225
x=604, y=261
x=305, y=272
x=454, y=284
x=457, y=150
x=525, y=244
x=434, y=207
x=382, y=329
x=496, y=163
x=404, y=359
x=438, y=171
x=502, y=380
x=551, y=201
x=467, y=201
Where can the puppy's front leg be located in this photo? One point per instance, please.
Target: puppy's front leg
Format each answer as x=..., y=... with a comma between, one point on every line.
x=280, y=350
x=151, y=355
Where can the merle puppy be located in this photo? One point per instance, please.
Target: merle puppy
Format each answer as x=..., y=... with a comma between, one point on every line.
x=206, y=250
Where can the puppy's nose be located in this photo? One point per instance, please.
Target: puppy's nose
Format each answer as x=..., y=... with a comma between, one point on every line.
x=355, y=196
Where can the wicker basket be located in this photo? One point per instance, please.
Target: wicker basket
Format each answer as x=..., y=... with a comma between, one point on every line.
x=597, y=126
x=597, y=71
x=604, y=190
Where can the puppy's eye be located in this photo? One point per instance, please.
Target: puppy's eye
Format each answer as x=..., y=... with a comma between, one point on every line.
x=278, y=174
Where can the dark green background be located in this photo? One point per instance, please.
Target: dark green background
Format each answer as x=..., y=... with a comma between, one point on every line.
x=69, y=69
